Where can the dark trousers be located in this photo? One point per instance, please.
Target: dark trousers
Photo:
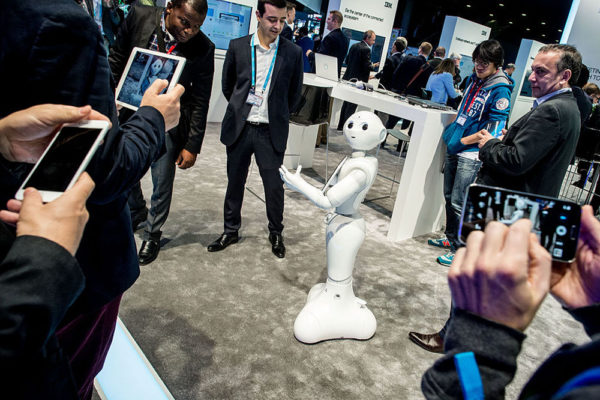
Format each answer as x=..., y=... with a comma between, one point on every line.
x=347, y=110
x=163, y=174
x=85, y=339
x=253, y=140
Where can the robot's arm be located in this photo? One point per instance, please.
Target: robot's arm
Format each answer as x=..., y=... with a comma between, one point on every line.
x=298, y=184
x=337, y=195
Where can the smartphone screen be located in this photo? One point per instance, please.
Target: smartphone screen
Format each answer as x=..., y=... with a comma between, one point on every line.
x=555, y=222
x=56, y=169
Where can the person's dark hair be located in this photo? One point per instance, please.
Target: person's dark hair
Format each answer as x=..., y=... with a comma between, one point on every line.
x=584, y=76
x=289, y=6
x=303, y=31
x=447, y=65
x=439, y=51
x=569, y=59
x=275, y=3
x=591, y=88
x=200, y=6
x=368, y=34
x=337, y=16
x=489, y=51
x=400, y=45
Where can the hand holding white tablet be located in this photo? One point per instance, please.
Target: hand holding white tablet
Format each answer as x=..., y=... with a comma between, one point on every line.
x=167, y=104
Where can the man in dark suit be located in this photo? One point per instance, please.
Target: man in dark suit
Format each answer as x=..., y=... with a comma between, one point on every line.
x=175, y=29
x=358, y=67
x=58, y=57
x=335, y=44
x=386, y=75
x=534, y=155
x=257, y=117
x=290, y=16
x=410, y=76
x=438, y=55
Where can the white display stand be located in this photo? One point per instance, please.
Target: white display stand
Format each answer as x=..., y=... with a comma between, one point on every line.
x=582, y=30
x=461, y=36
x=520, y=105
x=419, y=205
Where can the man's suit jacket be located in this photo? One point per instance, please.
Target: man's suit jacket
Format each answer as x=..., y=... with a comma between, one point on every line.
x=536, y=150
x=358, y=62
x=407, y=69
x=136, y=31
x=386, y=75
x=435, y=62
x=335, y=44
x=286, y=32
x=284, y=91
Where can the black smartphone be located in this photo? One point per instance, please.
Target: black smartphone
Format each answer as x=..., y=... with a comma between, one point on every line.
x=555, y=222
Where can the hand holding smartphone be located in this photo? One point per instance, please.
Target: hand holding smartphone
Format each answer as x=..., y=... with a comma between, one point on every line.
x=65, y=158
x=555, y=222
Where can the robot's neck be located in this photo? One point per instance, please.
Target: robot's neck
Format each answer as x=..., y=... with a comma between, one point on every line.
x=358, y=153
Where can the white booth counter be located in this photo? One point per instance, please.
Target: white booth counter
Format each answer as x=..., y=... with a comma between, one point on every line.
x=419, y=204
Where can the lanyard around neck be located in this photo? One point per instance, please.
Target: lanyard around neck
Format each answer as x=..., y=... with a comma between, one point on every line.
x=253, y=52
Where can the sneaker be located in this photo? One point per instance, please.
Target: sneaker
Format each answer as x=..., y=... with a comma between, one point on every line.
x=439, y=242
x=446, y=259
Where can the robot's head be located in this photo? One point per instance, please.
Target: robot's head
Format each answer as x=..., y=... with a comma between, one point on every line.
x=156, y=67
x=364, y=130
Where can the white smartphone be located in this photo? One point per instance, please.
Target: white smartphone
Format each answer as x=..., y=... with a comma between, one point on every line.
x=65, y=158
x=142, y=69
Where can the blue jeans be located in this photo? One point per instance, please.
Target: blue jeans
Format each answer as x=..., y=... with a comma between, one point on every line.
x=459, y=173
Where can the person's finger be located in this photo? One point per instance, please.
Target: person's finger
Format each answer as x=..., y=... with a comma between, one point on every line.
x=32, y=200
x=177, y=91
x=10, y=218
x=516, y=246
x=97, y=116
x=179, y=160
x=284, y=169
x=589, y=232
x=157, y=86
x=454, y=277
x=299, y=169
x=493, y=242
x=540, y=268
x=14, y=205
x=473, y=250
x=81, y=190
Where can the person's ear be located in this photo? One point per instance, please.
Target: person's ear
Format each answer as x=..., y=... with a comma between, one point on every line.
x=566, y=75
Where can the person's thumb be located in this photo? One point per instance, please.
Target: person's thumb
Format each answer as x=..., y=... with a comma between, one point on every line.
x=32, y=199
x=157, y=86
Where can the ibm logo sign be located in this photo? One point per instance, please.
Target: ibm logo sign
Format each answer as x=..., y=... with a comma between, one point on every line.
x=388, y=4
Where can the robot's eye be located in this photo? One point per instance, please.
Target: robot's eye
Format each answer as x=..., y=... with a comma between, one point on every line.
x=365, y=127
x=350, y=125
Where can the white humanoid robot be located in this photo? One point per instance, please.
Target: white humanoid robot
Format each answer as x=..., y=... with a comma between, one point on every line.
x=332, y=311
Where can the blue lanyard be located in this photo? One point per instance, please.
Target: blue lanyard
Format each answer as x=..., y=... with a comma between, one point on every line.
x=254, y=66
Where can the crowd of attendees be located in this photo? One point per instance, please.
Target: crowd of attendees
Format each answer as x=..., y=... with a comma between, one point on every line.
x=60, y=288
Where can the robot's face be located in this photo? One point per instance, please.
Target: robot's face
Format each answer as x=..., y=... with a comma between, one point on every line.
x=364, y=130
x=156, y=67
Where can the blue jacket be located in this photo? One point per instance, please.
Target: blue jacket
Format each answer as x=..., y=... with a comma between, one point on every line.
x=484, y=101
x=441, y=86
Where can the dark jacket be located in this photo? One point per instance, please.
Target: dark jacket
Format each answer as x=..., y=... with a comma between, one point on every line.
x=58, y=57
x=284, y=91
x=405, y=72
x=386, y=75
x=141, y=24
x=39, y=280
x=358, y=62
x=335, y=44
x=434, y=62
x=287, y=33
x=536, y=150
x=496, y=348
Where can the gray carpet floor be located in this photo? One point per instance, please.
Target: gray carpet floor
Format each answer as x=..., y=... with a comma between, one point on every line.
x=219, y=325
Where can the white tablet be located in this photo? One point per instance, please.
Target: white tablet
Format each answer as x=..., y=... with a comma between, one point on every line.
x=65, y=158
x=143, y=68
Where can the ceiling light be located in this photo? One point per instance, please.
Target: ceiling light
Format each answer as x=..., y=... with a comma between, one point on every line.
x=543, y=23
x=468, y=6
x=527, y=29
x=523, y=14
x=543, y=35
x=510, y=22
x=560, y=30
x=491, y=15
x=501, y=5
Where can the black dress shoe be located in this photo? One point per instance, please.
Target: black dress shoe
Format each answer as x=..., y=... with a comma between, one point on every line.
x=431, y=342
x=149, y=251
x=223, y=241
x=277, y=247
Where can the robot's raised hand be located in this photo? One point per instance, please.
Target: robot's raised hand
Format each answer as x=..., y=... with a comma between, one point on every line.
x=293, y=181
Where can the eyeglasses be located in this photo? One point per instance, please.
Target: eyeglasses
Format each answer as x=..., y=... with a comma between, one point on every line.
x=479, y=63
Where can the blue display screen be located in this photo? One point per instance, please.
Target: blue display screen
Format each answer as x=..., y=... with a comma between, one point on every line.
x=225, y=21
